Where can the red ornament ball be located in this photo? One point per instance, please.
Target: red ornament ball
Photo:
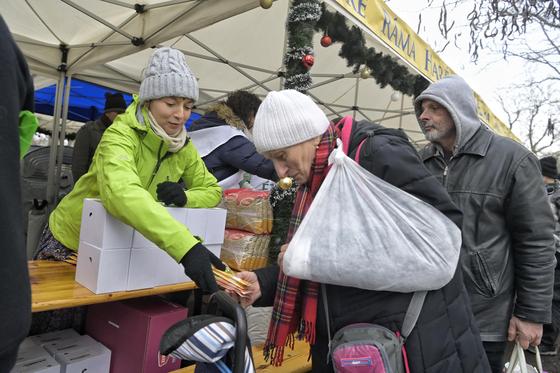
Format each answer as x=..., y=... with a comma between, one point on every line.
x=308, y=60
x=326, y=41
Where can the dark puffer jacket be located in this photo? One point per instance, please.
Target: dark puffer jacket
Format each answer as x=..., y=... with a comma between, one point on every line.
x=87, y=139
x=508, y=245
x=445, y=339
x=238, y=153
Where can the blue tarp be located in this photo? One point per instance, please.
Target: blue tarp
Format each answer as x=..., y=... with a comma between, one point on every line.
x=87, y=101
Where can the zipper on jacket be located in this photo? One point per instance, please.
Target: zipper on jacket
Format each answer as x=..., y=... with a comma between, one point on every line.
x=158, y=164
x=446, y=171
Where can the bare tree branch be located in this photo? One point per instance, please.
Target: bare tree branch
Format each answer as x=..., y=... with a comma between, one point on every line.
x=529, y=107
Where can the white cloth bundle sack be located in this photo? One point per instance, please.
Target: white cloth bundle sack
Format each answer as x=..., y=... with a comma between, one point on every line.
x=363, y=232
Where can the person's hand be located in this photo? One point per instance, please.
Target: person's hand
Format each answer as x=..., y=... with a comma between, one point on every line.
x=253, y=291
x=283, y=249
x=171, y=193
x=526, y=332
x=198, y=263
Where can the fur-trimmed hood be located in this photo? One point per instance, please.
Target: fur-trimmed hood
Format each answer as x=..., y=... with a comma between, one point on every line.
x=218, y=115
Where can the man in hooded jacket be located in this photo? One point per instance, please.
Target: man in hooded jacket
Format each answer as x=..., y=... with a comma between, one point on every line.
x=508, y=246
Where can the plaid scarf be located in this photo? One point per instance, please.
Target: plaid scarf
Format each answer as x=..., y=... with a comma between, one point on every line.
x=295, y=304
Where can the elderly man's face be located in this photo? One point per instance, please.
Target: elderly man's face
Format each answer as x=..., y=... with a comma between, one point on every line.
x=295, y=161
x=436, y=122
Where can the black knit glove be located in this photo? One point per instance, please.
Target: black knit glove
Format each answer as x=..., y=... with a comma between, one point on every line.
x=171, y=193
x=197, y=262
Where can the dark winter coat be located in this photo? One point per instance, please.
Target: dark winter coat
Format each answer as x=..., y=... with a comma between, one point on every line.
x=239, y=153
x=87, y=139
x=508, y=246
x=445, y=338
x=15, y=297
x=554, y=201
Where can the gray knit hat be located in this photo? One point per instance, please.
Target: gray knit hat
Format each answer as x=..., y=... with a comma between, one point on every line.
x=287, y=118
x=168, y=75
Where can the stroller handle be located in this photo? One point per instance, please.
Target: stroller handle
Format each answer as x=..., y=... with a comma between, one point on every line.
x=232, y=310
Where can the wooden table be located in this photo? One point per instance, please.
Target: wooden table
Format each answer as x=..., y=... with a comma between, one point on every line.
x=53, y=287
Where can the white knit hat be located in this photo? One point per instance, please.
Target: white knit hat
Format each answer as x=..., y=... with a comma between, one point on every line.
x=287, y=118
x=168, y=75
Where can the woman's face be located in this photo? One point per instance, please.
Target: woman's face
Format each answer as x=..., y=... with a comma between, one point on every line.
x=171, y=113
x=295, y=161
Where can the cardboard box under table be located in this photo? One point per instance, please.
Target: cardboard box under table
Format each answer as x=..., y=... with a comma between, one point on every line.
x=62, y=351
x=58, y=335
x=32, y=358
x=132, y=330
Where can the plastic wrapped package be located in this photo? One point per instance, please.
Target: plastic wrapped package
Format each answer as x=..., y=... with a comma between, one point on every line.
x=248, y=210
x=245, y=251
x=375, y=236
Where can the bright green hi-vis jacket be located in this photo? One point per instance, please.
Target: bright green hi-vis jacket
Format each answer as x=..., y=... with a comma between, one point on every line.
x=129, y=163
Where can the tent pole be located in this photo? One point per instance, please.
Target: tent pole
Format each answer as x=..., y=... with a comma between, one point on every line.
x=371, y=109
x=355, y=108
x=394, y=117
x=249, y=87
x=210, y=50
x=62, y=135
x=336, y=78
x=327, y=106
x=98, y=19
x=364, y=114
x=51, y=183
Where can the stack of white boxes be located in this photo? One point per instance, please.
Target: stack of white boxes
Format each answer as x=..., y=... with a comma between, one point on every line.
x=62, y=351
x=33, y=358
x=114, y=257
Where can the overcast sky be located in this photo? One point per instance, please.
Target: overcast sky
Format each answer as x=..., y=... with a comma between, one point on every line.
x=491, y=73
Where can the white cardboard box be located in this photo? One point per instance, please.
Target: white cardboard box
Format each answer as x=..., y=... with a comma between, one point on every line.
x=102, y=230
x=215, y=226
x=91, y=359
x=197, y=221
x=41, y=339
x=114, y=257
x=162, y=268
x=102, y=271
x=40, y=364
x=80, y=341
x=143, y=269
x=33, y=358
x=30, y=352
x=151, y=267
x=26, y=344
x=208, y=224
x=169, y=271
x=141, y=242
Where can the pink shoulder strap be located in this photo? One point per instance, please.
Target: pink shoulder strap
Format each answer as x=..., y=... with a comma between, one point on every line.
x=347, y=125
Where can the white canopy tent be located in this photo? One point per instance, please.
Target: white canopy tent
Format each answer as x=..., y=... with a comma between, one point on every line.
x=229, y=44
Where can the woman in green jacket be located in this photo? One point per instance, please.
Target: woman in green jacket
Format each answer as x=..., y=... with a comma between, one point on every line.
x=139, y=162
